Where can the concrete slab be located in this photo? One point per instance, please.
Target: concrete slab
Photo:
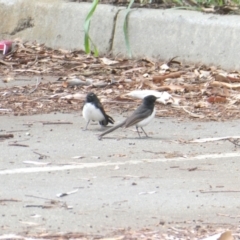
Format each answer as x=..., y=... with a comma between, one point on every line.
x=129, y=182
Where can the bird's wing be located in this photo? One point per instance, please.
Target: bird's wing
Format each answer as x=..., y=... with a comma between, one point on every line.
x=107, y=119
x=137, y=116
x=100, y=106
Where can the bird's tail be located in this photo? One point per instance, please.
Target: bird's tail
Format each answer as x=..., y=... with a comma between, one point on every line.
x=110, y=119
x=111, y=129
x=107, y=120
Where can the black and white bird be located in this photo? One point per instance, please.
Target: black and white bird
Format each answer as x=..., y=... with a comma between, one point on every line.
x=93, y=110
x=142, y=116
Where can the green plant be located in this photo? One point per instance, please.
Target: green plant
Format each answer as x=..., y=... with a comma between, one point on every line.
x=87, y=38
x=125, y=28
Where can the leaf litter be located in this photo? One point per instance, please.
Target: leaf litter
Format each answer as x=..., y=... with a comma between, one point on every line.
x=58, y=80
x=35, y=79
x=198, y=233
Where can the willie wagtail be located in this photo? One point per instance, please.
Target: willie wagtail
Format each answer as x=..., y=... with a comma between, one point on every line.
x=140, y=117
x=93, y=110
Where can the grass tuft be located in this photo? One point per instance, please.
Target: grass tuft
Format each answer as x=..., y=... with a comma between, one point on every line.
x=125, y=28
x=87, y=39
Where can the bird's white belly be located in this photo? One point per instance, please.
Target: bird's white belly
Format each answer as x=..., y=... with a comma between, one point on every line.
x=147, y=120
x=90, y=112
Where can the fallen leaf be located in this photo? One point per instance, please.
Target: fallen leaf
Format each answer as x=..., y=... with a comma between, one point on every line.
x=163, y=97
x=107, y=61
x=221, y=78
x=76, y=82
x=77, y=157
x=8, y=79
x=226, y=236
x=233, y=79
x=79, y=96
x=144, y=193
x=36, y=163
x=164, y=67
x=217, y=99
x=160, y=78
x=67, y=193
x=203, y=140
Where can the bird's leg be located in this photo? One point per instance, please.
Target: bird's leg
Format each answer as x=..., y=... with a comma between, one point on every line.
x=102, y=126
x=138, y=132
x=86, y=125
x=144, y=132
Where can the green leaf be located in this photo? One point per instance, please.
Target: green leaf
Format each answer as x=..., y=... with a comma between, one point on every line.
x=125, y=28
x=87, y=38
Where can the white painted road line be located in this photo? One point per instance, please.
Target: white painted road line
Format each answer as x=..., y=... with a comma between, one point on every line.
x=106, y=164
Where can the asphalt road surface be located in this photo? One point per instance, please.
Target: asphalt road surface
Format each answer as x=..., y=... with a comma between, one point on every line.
x=119, y=182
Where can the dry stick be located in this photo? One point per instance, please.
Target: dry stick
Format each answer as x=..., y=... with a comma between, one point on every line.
x=41, y=155
x=7, y=135
x=37, y=84
x=28, y=70
x=18, y=130
x=32, y=63
x=10, y=200
x=227, y=85
x=192, y=114
x=235, y=142
x=48, y=123
x=8, y=63
x=49, y=199
x=38, y=206
x=153, y=152
x=5, y=109
x=224, y=191
x=18, y=145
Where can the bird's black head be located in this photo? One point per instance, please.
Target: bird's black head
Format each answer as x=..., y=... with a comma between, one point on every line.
x=91, y=97
x=150, y=99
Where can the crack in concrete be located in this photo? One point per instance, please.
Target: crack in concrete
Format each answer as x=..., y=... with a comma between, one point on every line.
x=23, y=24
x=113, y=31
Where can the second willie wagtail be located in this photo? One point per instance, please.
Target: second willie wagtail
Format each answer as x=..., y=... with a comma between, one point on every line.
x=140, y=117
x=93, y=110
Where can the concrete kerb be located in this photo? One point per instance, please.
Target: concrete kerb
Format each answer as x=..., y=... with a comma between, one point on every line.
x=161, y=34
x=193, y=36
x=58, y=24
